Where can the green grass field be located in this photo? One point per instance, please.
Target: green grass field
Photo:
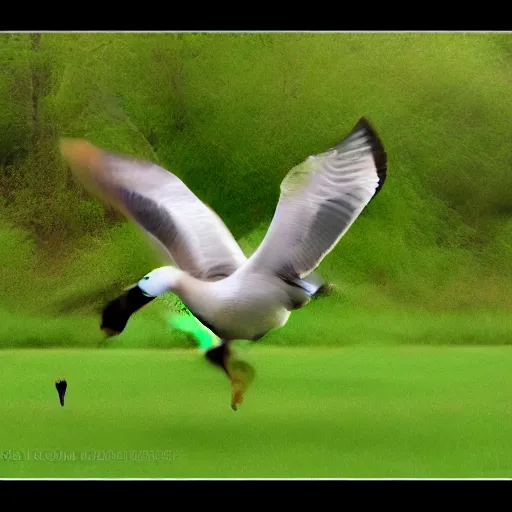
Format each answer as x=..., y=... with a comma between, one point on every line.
x=311, y=412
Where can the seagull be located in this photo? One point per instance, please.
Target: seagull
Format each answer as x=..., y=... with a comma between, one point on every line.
x=236, y=297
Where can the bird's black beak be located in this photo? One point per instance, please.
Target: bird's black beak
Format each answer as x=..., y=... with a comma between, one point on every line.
x=117, y=312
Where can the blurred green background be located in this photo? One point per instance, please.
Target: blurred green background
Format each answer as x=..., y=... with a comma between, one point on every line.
x=428, y=262
x=231, y=114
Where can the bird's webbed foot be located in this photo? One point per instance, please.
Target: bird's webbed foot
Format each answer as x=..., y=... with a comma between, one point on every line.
x=240, y=373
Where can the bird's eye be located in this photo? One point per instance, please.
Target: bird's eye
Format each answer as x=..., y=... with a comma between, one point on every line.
x=146, y=277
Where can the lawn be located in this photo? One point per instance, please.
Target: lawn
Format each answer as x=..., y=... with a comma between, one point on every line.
x=311, y=412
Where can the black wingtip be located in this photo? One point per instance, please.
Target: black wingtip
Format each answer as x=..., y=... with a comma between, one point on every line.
x=61, y=386
x=379, y=154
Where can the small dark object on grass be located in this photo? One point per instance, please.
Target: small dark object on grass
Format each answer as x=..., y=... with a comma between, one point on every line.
x=61, y=386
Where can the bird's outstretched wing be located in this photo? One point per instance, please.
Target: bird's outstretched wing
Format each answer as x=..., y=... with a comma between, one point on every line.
x=320, y=199
x=193, y=235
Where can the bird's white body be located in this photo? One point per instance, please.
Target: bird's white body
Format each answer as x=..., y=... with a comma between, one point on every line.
x=237, y=307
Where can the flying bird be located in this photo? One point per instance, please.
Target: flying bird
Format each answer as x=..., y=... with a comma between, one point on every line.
x=236, y=297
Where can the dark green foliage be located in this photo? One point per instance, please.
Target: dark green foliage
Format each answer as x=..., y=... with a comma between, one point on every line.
x=231, y=114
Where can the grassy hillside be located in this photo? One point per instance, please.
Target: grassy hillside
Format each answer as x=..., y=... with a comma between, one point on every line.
x=231, y=114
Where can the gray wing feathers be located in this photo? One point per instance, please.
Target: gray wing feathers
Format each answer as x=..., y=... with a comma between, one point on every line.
x=320, y=200
x=194, y=236
x=196, y=241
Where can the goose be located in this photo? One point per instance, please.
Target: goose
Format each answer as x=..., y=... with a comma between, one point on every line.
x=236, y=297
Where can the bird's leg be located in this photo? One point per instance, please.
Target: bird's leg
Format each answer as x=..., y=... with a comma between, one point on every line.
x=239, y=372
x=219, y=356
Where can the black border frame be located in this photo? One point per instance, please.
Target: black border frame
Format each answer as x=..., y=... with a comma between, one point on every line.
x=272, y=493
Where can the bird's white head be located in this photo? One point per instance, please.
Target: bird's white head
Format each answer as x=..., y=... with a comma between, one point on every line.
x=160, y=281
